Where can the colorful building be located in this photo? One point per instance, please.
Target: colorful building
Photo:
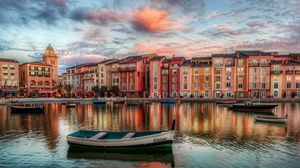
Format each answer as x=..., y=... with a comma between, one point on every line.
x=155, y=77
x=9, y=77
x=104, y=73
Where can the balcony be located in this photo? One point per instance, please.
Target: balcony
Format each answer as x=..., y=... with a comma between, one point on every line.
x=264, y=64
x=254, y=64
x=123, y=69
x=276, y=72
x=229, y=64
x=297, y=72
x=289, y=72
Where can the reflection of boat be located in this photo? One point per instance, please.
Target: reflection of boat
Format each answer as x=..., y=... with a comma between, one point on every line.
x=226, y=102
x=99, y=102
x=119, y=102
x=168, y=101
x=71, y=105
x=63, y=103
x=254, y=107
x=164, y=156
x=271, y=119
x=27, y=108
x=122, y=140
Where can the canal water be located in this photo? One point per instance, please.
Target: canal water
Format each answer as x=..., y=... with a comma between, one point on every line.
x=207, y=136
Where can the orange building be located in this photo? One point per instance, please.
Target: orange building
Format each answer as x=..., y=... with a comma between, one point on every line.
x=38, y=78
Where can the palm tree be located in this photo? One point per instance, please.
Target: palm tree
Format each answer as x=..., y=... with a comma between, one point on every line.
x=103, y=90
x=69, y=89
x=115, y=90
x=96, y=90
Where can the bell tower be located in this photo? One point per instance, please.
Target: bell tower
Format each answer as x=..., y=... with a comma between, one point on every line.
x=51, y=58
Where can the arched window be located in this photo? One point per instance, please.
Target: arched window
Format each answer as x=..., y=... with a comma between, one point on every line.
x=47, y=83
x=40, y=83
x=32, y=83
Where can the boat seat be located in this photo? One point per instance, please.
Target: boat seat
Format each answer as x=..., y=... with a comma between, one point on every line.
x=99, y=135
x=129, y=135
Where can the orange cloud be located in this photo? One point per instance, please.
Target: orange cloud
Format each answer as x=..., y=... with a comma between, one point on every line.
x=153, y=20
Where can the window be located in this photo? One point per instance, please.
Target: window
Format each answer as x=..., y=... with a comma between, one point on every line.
x=218, y=85
x=196, y=71
x=218, y=71
x=254, y=70
x=228, y=85
x=165, y=79
x=228, y=69
x=218, y=78
x=240, y=85
x=240, y=76
x=174, y=87
x=185, y=78
x=276, y=85
x=174, y=71
x=206, y=78
x=185, y=86
x=165, y=86
x=228, y=77
x=206, y=70
x=263, y=85
x=240, y=70
x=297, y=85
x=196, y=78
x=155, y=86
x=240, y=62
x=253, y=85
x=288, y=85
x=174, y=79
x=228, y=94
x=155, y=79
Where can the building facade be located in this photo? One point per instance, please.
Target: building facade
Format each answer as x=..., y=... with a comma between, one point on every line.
x=9, y=77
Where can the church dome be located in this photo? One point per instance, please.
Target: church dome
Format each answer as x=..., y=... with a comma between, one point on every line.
x=49, y=47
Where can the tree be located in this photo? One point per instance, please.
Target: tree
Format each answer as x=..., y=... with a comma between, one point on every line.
x=69, y=89
x=96, y=90
x=115, y=90
x=103, y=90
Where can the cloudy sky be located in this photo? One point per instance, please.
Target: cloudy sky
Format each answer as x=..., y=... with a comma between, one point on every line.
x=91, y=30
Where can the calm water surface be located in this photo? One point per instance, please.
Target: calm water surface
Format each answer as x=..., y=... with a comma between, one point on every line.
x=207, y=136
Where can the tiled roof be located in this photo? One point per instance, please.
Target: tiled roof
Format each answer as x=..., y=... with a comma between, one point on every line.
x=253, y=53
x=167, y=60
x=201, y=64
x=231, y=55
x=178, y=58
x=201, y=58
x=8, y=60
x=106, y=61
x=157, y=58
x=186, y=63
x=286, y=63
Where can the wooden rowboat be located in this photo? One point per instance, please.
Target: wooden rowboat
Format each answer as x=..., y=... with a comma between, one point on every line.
x=27, y=108
x=271, y=119
x=168, y=101
x=121, y=140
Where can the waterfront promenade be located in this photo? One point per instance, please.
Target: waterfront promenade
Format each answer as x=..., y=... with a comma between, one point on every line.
x=118, y=99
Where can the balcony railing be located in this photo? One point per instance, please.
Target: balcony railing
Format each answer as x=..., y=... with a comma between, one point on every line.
x=276, y=72
x=128, y=69
x=229, y=64
x=115, y=70
x=253, y=64
x=289, y=72
x=264, y=64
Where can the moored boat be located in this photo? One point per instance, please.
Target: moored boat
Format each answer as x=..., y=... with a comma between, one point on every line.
x=226, y=102
x=27, y=108
x=121, y=140
x=132, y=103
x=99, y=102
x=168, y=101
x=254, y=107
x=272, y=119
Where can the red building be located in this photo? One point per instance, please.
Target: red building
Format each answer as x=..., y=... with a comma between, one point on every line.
x=170, y=75
x=132, y=75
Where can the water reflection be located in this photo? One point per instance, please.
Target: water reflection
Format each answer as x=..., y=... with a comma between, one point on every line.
x=200, y=125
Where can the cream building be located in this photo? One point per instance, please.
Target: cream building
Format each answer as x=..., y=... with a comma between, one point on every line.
x=9, y=77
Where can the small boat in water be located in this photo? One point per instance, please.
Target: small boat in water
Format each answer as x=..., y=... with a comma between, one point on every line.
x=71, y=105
x=99, y=102
x=226, y=102
x=168, y=101
x=27, y=108
x=122, y=140
x=272, y=119
x=254, y=107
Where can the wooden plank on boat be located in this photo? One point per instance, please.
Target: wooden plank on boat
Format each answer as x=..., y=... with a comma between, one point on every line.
x=128, y=135
x=99, y=135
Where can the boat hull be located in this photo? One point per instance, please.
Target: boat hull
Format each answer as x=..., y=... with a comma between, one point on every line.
x=15, y=109
x=254, y=108
x=271, y=120
x=160, y=140
x=99, y=102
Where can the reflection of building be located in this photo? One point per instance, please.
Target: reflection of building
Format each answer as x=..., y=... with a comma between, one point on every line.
x=37, y=78
x=9, y=77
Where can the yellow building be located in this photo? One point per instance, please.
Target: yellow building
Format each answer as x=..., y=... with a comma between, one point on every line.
x=9, y=77
x=50, y=58
x=104, y=73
